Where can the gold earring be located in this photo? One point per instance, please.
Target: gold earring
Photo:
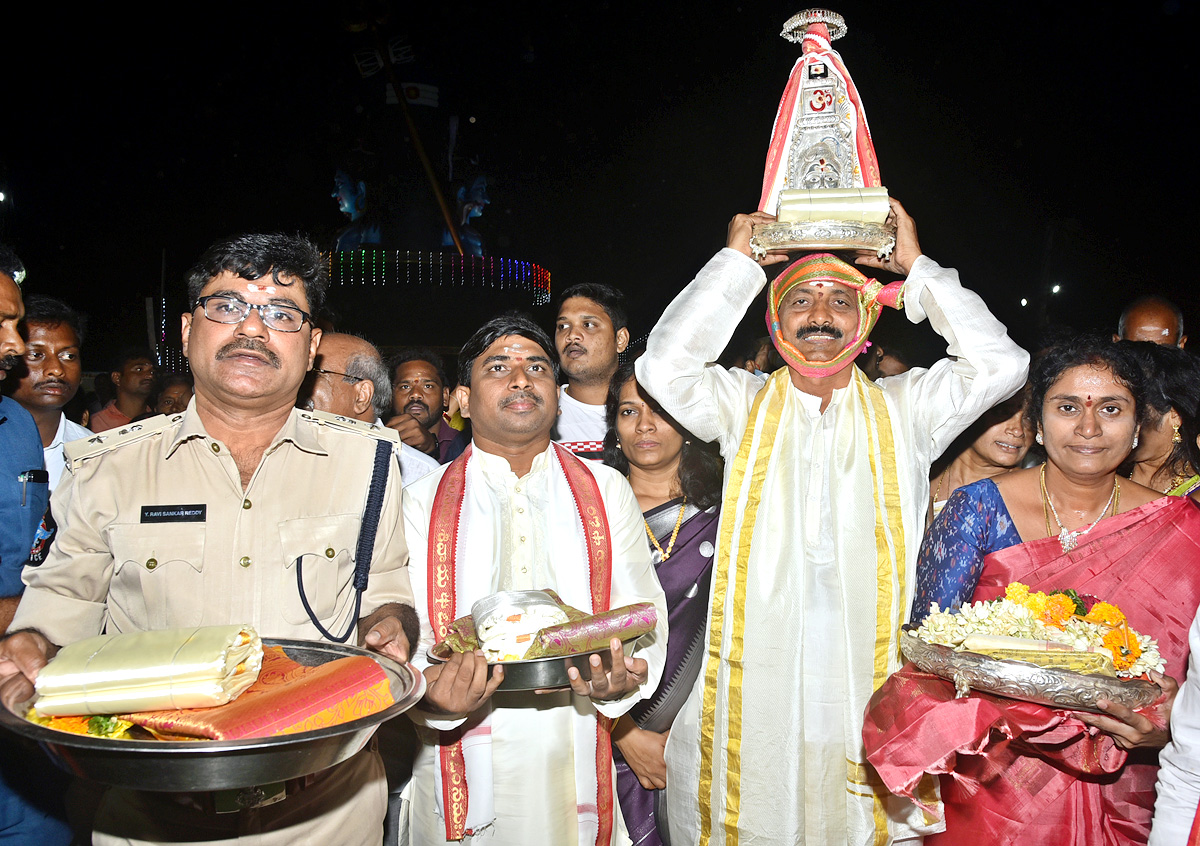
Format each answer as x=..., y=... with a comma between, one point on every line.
x=1176, y=438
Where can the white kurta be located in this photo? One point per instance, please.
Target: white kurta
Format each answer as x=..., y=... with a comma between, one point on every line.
x=828, y=570
x=518, y=545
x=1179, y=774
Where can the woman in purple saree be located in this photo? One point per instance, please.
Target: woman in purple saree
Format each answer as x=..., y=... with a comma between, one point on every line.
x=677, y=480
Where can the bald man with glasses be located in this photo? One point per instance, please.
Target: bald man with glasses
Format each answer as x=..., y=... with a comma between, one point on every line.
x=351, y=380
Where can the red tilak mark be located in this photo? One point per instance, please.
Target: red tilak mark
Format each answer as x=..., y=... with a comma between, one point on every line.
x=1089, y=401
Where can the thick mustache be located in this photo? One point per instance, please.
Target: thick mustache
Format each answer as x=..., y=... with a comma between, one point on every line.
x=251, y=345
x=518, y=396
x=46, y=382
x=818, y=329
x=411, y=403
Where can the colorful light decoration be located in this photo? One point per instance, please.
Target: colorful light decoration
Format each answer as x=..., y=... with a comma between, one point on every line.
x=170, y=356
x=414, y=267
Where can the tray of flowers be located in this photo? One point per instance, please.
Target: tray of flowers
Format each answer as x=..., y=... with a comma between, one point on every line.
x=1058, y=649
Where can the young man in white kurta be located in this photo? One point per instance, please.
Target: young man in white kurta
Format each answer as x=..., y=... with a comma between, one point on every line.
x=768, y=747
x=522, y=532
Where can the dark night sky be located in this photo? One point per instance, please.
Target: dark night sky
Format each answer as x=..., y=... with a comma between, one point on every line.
x=618, y=140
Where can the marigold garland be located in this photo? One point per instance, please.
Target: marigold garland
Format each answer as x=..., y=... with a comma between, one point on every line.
x=1060, y=611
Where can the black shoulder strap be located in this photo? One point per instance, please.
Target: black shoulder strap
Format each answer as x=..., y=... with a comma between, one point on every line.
x=366, y=543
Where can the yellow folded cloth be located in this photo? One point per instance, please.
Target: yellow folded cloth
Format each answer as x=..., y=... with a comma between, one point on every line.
x=1045, y=653
x=150, y=671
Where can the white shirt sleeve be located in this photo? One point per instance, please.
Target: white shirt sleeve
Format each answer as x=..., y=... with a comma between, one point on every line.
x=983, y=365
x=678, y=369
x=414, y=464
x=1179, y=770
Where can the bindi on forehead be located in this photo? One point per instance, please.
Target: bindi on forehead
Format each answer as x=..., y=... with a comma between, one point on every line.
x=1088, y=402
x=255, y=288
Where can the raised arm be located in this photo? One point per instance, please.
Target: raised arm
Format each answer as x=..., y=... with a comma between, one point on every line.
x=983, y=365
x=678, y=369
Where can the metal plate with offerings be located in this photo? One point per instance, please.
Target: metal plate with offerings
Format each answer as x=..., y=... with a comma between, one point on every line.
x=202, y=765
x=1049, y=686
x=541, y=673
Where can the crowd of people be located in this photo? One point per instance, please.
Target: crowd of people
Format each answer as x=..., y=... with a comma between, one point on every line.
x=786, y=516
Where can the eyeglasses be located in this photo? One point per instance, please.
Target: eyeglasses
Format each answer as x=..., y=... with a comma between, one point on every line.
x=345, y=376
x=280, y=318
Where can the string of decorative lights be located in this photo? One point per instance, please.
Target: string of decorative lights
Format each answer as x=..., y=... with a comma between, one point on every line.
x=416, y=267
x=170, y=357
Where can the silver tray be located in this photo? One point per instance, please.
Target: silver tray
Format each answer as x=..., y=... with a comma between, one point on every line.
x=510, y=600
x=1054, y=688
x=184, y=766
x=811, y=235
x=547, y=673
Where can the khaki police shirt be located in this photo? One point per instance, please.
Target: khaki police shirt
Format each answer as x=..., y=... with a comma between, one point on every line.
x=156, y=532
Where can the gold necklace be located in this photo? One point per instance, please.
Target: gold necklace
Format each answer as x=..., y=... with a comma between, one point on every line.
x=1176, y=480
x=941, y=479
x=1066, y=538
x=666, y=553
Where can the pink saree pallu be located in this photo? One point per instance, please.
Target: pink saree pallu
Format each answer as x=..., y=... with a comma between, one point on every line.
x=1016, y=772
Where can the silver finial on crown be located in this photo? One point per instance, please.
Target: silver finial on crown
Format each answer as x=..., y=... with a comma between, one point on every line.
x=796, y=26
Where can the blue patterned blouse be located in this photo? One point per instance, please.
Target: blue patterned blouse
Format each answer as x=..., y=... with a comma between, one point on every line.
x=973, y=523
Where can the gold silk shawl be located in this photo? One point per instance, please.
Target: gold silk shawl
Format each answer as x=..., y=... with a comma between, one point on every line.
x=755, y=613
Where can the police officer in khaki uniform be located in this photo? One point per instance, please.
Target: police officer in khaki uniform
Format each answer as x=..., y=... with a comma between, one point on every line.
x=205, y=517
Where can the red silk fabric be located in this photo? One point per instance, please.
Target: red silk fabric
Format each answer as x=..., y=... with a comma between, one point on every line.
x=1014, y=772
x=287, y=698
x=815, y=49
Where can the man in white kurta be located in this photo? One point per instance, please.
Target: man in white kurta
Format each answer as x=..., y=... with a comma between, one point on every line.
x=520, y=530
x=826, y=489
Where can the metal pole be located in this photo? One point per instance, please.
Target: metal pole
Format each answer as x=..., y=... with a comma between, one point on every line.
x=385, y=56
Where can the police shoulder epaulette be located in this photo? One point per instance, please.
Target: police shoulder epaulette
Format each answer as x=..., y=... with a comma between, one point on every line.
x=348, y=424
x=110, y=439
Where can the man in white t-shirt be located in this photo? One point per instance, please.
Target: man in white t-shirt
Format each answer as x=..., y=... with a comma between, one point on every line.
x=591, y=330
x=49, y=375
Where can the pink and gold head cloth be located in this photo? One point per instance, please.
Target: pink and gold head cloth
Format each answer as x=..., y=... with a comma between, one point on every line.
x=828, y=268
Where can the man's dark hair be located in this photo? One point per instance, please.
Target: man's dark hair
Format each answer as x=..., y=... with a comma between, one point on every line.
x=1095, y=351
x=131, y=354
x=10, y=265
x=54, y=312
x=407, y=354
x=608, y=298
x=254, y=256
x=510, y=323
x=1151, y=299
x=701, y=469
x=173, y=379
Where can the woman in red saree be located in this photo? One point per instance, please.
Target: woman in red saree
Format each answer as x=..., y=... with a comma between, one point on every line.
x=1022, y=773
